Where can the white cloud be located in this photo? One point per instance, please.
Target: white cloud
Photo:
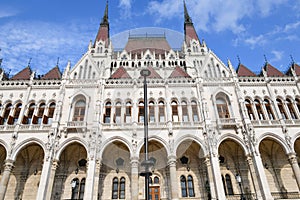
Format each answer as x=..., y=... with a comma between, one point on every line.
x=292, y=26
x=277, y=56
x=165, y=10
x=125, y=6
x=7, y=12
x=254, y=41
x=43, y=42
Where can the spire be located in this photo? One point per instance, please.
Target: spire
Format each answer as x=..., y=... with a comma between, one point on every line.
x=189, y=29
x=103, y=32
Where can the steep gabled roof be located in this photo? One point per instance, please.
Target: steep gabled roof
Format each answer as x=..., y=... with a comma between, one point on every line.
x=23, y=75
x=54, y=73
x=103, y=32
x=153, y=73
x=179, y=73
x=189, y=29
x=242, y=70
x=297, y=69
x=120, y=73
x=272, y=71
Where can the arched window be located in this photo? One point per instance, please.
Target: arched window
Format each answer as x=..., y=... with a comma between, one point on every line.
x=195, y=111
x=141, y=112
x=185, y=116
x=269, y=109
x=6, y=114
x=38, y=118
x=249, y=109
x=161, y=111
x=48, y=119
x=228, y=184
x=190, y=184
x=174, y=106
x=115, y=187
x=17, y=112
x=222, y=108
x=122, y=188
x=79, y=110
x=259, y=110
x=107, y=113
x=28, y=117
x=118, y=113
x=128, y=112
x=291, y=109
x=156, y=180
x=151, y=112
x=75, y=187
x=281, y=109
x=81, y=190
x=183, y=186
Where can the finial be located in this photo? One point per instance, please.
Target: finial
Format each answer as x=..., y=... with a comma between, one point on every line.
x=29, y=62
x=238, y=57
x=57, y=61
x=266, y=60
x=187, y=18
x=293, y=61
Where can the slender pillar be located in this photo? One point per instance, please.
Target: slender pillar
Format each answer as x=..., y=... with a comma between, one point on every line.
x=263, y=182
x=134, y=178
x=210, y=180
x=216, y=171
x=96, y=180
x=89, y=186
x=8, y=167
x=44, y=180
x=54, y=166
x=295, y=167
x=173, y=178
x=254, y=177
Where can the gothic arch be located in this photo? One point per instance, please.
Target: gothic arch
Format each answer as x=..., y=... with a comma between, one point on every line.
x=110, y=140
x=69, y=141
x=25, y=143
x=194, y=138
x=274, y=137
x=155, y=138
x=235, y=138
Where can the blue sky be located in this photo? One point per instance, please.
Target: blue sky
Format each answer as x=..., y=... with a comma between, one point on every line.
x=45, y=30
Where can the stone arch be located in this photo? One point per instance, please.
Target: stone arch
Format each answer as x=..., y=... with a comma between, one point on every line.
x=69, y=141
x=192, y=138
x=274, y=137
x=25, y=143
x=155, y=138
x=235, y=138
x=110, y=140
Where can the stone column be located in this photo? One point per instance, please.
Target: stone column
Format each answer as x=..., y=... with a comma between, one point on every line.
x=217, y=177
x=96, y=179
x=210, y=179
x=134, y=178
x=44, y=180
x=89, y=185
x=54, y=166
x=294, y=163
x=254, y=177
x=263, y=182
x=173, y=177
x=8, y=166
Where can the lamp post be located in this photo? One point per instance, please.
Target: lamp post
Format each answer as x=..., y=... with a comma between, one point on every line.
x=239, y=180
x=146, y=163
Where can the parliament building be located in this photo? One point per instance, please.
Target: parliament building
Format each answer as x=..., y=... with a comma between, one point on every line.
x=215, y=131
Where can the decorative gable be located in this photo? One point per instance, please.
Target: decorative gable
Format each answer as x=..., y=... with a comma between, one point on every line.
x=244, y=71
x=272, y=71
x=120, y=73
x=23, y=75
x=213, y=67
x=179, y=73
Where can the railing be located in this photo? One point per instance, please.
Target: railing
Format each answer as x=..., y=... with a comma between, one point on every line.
x=76, y=124
x=247, y=196
x=285, y=195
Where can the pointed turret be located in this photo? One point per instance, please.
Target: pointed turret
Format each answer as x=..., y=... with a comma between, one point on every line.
x=189, y=29
x=103, y=32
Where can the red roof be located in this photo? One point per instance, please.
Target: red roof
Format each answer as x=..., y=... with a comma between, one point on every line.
x=153, y=73
x=297, y=69
x=244, y=71
x=272, y=71
x=120, y=73
x=54, y=73
x=103, y=34
x=141, y=44
x=23, y=75
x=179, y=73
x=190, y=33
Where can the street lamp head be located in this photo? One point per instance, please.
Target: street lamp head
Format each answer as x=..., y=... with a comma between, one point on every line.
x=145, y=72
x=238, y=178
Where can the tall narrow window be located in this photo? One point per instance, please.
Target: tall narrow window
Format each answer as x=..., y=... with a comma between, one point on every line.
x=269, y=109
x=17, y=113
x=191, y=186
x=107, y=113
x=118, y=113
x=141, y=111
x=6, y=114
x=81, y=189
x=185, y=116
x=228, y=184
x=183, y=186
x=195, y=111
x=151, y=112
x=122, y=188
x=281, y=109
x=161, y=111
x=298, y=104
x=48, y=119
x=291, y=109
x=128, y=112
x=174, y=111
x=115, y=187
x=222, y=108
x=40, y=114
x=259, y=110
x=75, y=187
x=28, y=118
x=79, y=111
x=224, y=185
x=249, y=109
